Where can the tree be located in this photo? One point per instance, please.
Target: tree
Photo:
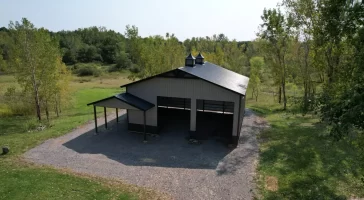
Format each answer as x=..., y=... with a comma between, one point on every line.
x=305, y=22
x=36, y=61
x=4, y=48
x=256, y=64
x=341, y=102
x=276, y=29
x=3, y=64
x=123, y=61
x=154, y=54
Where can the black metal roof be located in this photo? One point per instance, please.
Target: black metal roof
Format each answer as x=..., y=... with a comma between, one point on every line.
x=131, y=100
x=213, y=74
x=219, y=76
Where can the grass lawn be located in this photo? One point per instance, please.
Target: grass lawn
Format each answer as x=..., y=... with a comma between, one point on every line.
x=21, y=180
x=297, y=160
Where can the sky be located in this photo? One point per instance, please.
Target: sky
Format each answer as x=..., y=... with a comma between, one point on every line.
x=237, y=19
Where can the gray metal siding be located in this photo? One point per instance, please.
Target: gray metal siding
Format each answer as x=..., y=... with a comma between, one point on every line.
x=183, y=88
x=136, y=117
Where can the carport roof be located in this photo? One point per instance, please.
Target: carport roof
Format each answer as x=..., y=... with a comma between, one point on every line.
x=129, y=99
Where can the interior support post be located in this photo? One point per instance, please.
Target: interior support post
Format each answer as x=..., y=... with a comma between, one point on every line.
x=117, y=115
x=223, y=107
x=203, y=105
x=193, y=114
x=95, y=118
x=145, y=128
x=105, y=117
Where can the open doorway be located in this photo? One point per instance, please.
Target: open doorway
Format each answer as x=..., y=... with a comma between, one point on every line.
x=173, y=114
x=214, y=119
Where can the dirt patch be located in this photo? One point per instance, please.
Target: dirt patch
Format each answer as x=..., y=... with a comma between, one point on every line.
x=271, y=183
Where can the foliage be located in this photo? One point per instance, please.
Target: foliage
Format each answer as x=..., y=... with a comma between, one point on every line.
x=37, y=66
x=154, y=54
x=19, y=103
x=87, y=70
x=317, y=45
x=276, y=30
x=94, y=44
x=342, y=106
x=4, y=49
x=122, y=62
x=257, y=64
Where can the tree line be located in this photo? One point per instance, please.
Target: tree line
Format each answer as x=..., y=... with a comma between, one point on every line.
x=143, y=56
x=42, y=60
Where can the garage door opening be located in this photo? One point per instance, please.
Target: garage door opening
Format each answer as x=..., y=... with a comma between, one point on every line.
x=214, y=119
x=173, y=113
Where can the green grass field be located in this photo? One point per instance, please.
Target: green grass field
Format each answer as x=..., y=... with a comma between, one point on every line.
x=21, y=180
x=297, y=160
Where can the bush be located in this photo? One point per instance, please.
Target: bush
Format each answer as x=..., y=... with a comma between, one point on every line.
x=5, y=111
x=122, y=62
x=87, y=70
x=31, y=125
x=135, y=69
x=11, y=100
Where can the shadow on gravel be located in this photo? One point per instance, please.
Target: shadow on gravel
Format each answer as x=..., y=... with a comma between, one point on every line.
x=169, y=149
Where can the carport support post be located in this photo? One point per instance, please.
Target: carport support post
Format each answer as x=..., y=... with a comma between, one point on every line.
x=193, y=116
x=95, y=117
x=145, y=130
x=117, y=115
x=105, y=117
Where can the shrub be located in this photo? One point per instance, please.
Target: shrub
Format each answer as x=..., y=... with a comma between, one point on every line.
x=135, y=69
x=11, y=100
x=31, y=125
x=122, y=62
x=5, y=111
x=87, y=70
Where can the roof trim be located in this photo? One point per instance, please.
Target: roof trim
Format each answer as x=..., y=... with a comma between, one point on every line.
x=122, y=100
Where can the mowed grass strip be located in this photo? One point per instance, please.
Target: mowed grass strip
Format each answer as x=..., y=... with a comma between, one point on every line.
x=21, y=180
x=41, y=183
x=298, y=160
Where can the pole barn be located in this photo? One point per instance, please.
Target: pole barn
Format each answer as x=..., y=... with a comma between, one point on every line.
x=210, y=97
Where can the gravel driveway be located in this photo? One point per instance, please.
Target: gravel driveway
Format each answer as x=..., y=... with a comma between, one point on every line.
x=166, y=163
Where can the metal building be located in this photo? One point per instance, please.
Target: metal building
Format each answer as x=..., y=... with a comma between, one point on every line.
x=211, y=97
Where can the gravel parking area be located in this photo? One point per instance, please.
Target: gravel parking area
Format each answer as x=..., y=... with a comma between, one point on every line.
x=166, y=163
